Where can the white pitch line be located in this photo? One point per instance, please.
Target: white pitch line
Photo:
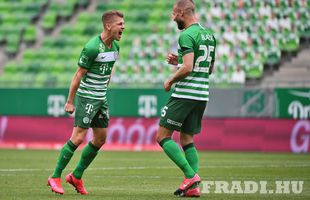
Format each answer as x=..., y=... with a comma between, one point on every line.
x=169, y=167
x=118, y=188
x=207, y=178
x=137, y=177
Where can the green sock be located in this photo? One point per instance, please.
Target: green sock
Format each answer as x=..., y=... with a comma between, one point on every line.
x=88, y=154
x=176, y=155
x=65, y=156
x=191, y=156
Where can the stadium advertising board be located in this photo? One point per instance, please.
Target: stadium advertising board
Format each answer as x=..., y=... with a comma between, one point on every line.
x=268, y=135
x=289, y=103
x=293, y=103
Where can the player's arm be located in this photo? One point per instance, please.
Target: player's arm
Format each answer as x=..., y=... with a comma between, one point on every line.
x=75, y=83
x=86, y=59
x=182, y=72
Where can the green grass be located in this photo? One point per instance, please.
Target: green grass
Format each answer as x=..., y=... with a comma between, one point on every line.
x=147, y=175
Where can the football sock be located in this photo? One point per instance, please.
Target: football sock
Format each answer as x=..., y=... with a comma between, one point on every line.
x=191, y=156
x=65, y=156
x=175, y=154
x=88, y=154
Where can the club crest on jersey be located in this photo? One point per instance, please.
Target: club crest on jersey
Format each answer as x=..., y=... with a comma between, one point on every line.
x=86, y=120
x=101, y=48
x=83, y=60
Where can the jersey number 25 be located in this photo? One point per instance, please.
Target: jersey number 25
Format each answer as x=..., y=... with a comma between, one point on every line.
x=205, y=57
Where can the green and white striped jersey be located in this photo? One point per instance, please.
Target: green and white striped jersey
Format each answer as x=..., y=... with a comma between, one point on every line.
x=98, y=59
x=201, y=41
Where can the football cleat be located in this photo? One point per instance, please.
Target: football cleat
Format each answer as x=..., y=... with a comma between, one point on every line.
x=179, y=193
x=55, y=185
x=193, y=192
x=76, y=183
x=186, y=184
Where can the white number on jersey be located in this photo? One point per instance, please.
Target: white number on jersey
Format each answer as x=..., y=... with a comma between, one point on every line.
x=205, y=57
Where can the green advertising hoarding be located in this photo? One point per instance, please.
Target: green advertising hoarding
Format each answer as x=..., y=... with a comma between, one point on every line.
x=292, y=103
x=50, y=102
x=289, y=103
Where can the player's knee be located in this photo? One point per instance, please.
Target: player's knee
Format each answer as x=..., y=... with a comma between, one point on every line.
x=162, y=133
x=77, y=140
x=158, y=138
x=186, y=139
x=184, y=142
x=100, y=141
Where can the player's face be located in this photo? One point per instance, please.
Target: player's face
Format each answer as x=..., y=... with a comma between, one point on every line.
x=177, y=17
x=117, y=28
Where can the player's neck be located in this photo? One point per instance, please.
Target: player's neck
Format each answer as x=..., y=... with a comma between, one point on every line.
x=106, y=39
x=190, y=21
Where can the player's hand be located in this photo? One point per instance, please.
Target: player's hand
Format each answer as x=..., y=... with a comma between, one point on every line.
x=167, y=85
x=69, y=107
x=172, y=59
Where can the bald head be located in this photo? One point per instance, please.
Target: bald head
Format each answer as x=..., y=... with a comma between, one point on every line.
x=187, y=6
x=184, y=13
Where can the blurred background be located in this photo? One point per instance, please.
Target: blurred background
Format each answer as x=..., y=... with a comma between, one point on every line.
x=260, y=90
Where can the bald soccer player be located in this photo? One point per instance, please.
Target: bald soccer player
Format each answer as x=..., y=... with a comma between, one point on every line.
x=186, y=106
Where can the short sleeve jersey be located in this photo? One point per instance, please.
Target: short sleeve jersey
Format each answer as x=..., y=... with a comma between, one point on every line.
x=202, y=43
x=98, y=59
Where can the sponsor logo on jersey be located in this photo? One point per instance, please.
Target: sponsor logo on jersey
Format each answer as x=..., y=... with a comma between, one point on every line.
x=89, y=108
x=170, y=121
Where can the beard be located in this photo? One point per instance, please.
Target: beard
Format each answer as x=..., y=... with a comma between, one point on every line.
x=180, y=24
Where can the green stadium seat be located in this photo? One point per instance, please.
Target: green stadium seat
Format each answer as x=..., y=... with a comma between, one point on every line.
x=30, y=34
x=49, y=20
x=40, y=80
x=13, y=44
x=11, y=68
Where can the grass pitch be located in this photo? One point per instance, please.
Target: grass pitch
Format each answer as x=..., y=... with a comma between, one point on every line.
x=148, y=175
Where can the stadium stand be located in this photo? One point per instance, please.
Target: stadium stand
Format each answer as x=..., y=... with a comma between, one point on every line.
x=252, y=36
x=288, y=76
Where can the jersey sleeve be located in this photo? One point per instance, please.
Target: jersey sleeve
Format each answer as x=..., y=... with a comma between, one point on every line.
x=186, y=44
x=87, y=57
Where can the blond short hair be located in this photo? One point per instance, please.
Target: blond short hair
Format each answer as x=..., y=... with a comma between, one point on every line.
x=108, y=16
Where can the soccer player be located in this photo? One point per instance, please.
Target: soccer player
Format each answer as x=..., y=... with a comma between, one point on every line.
x=89, y=85
x=186, y=106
